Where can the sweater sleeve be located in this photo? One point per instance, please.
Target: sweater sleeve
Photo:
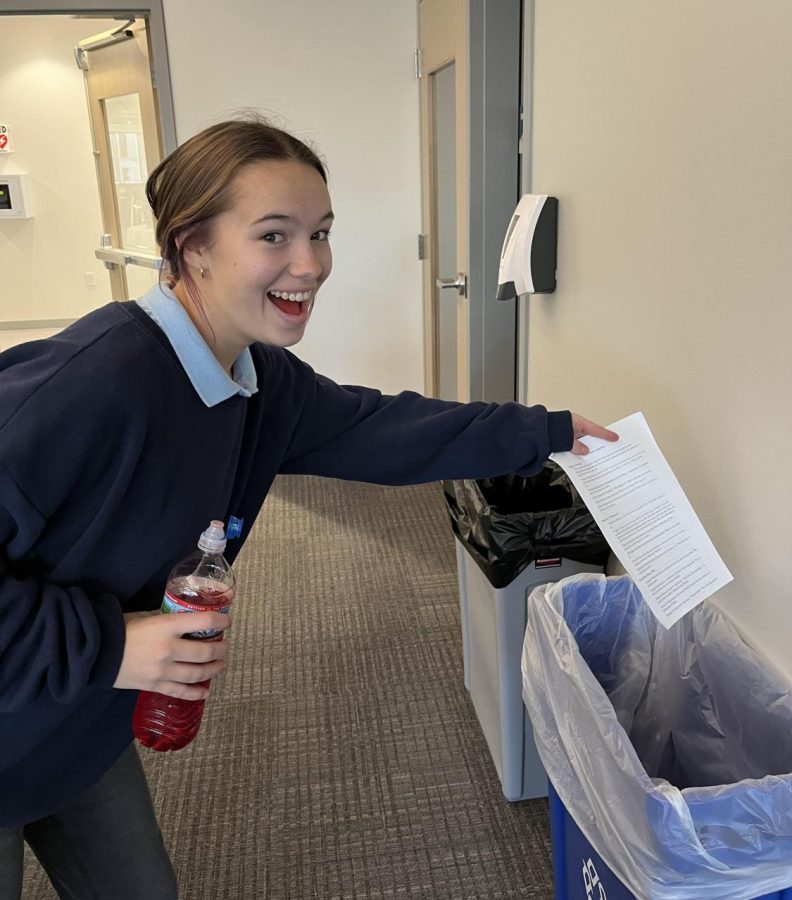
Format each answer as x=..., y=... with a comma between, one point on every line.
x=360, y=434
x=54, y=639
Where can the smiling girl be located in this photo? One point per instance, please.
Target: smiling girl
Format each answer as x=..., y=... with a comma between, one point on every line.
x=124, y=435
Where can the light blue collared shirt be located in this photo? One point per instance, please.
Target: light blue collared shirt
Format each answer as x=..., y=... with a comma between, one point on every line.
x=211, y=382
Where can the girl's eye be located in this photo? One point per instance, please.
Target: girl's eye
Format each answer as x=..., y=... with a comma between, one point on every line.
x=273, y=237
x=322, y=235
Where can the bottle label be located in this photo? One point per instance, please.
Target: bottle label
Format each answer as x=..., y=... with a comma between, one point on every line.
x=174, y=604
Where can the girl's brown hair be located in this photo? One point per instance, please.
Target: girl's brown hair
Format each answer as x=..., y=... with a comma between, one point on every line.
x=191, y=186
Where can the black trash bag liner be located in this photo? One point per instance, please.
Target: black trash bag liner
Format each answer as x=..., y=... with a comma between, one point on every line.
x=509, y=521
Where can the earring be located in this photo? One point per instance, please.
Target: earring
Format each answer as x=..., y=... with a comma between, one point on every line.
x=202, y=271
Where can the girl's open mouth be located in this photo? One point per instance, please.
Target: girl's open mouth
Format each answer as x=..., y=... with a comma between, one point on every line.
x=292, y=304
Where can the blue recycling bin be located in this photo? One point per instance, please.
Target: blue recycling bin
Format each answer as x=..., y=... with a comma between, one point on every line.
x=580, y=873
x=668, y=752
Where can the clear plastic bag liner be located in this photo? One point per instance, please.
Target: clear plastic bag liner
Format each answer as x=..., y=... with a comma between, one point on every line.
x=509, y=521
x=671, y=750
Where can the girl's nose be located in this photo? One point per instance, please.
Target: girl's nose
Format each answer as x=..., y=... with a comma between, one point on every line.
x=306, y=261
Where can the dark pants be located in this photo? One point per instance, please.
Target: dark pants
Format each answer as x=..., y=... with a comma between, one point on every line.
x=106, y=846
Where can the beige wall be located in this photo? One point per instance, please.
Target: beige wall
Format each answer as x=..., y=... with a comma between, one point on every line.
x=44, y=259
x=664, y=130
x=341, y=74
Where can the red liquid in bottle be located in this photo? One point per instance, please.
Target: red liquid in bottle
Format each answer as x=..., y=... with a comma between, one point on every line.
x=168, y=723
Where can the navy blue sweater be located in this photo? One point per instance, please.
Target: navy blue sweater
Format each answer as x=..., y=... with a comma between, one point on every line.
x=111, y=466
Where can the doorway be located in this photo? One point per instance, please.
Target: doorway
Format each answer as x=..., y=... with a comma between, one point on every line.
x=127, y=145
x=469, y=69
x=50, y=260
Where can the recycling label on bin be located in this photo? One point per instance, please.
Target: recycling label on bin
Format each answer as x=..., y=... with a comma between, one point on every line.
x=595, y=890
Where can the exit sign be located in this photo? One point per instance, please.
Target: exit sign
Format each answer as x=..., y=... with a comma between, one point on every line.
x=6, y=140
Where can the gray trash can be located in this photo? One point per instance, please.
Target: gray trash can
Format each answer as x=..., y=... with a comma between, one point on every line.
x=512, y=534
x=493, y=625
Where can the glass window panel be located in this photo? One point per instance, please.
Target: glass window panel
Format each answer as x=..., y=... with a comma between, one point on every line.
x=130, y=170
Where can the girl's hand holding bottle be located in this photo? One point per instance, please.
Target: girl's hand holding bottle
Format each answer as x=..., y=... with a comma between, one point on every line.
x=157, y=656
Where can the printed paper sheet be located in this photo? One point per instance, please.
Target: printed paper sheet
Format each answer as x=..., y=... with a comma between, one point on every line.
x=647, y=519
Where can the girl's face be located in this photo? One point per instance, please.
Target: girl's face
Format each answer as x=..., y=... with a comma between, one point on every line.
x=266, y=259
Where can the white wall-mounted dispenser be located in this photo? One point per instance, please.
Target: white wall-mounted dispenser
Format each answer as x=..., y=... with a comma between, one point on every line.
x=14, y=200
x=528, y=258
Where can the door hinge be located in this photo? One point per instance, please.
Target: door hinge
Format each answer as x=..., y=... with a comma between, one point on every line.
x=418, y=69
x=421, y=246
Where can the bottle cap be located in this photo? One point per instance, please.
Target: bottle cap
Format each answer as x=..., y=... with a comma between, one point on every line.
x=213, y=538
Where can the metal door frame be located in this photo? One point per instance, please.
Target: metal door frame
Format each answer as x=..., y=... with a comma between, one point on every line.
x=526, y=176
x=495, y=81
x=151, y=10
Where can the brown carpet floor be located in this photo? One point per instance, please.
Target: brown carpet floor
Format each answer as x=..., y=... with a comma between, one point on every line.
x=340, y=756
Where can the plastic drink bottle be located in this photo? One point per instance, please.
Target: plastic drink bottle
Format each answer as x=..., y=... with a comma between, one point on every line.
x=202, y=582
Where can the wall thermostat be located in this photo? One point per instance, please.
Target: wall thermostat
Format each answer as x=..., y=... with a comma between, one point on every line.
x=528, y=259
x=14, y=199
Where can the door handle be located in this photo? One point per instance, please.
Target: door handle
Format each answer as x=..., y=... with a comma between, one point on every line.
x=460, y=283
x=114, y=257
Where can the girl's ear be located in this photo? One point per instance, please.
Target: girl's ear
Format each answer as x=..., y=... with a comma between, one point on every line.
x=192, y=256
x=191, y=248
